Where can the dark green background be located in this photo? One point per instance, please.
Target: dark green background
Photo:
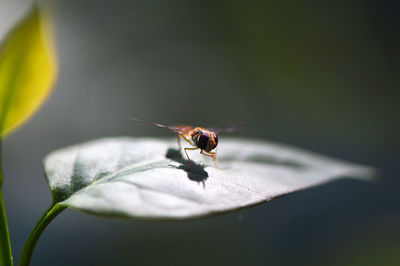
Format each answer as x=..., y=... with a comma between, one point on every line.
x=321, y=75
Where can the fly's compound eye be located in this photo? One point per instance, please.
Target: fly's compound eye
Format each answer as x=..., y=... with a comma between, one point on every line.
x=202, y=141
x=216, y=140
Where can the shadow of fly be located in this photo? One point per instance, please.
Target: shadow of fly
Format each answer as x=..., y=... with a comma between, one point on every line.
x=205, y=139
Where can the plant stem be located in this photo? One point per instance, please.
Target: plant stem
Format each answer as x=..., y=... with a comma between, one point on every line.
x=5, y=245
x=33, y=237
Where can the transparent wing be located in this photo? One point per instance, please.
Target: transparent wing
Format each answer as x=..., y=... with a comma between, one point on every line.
x=228, y=128
x=175, y=128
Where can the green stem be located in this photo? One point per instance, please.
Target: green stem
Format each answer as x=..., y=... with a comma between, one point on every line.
x=33, y=237
x=5, y=246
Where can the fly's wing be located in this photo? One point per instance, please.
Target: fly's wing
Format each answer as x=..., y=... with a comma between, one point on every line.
x=228, y=128
x=175, y=128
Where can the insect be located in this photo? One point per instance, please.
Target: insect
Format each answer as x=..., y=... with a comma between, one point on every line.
x=205, y=139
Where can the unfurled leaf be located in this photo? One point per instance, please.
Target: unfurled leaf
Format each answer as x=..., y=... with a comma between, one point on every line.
x=27, y=69
x=149, y=178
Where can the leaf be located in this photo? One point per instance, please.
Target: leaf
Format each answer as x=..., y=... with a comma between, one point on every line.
x=149, y=178
x=27, y=70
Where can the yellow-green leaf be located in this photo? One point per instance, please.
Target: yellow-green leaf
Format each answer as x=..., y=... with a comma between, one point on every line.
x=28, y=69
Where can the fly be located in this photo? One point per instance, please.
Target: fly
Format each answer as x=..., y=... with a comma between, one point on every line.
x=205, y=139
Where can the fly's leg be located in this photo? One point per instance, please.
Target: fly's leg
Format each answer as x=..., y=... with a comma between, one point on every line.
x=179, y=142
x=188, y=155
x=185, y=149
x=185, y=139
x=213, y=155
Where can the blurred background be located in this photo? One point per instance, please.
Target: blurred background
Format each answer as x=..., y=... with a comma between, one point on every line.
x=323, y=76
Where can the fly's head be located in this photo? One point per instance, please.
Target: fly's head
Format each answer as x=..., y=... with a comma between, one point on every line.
x=205, y=139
